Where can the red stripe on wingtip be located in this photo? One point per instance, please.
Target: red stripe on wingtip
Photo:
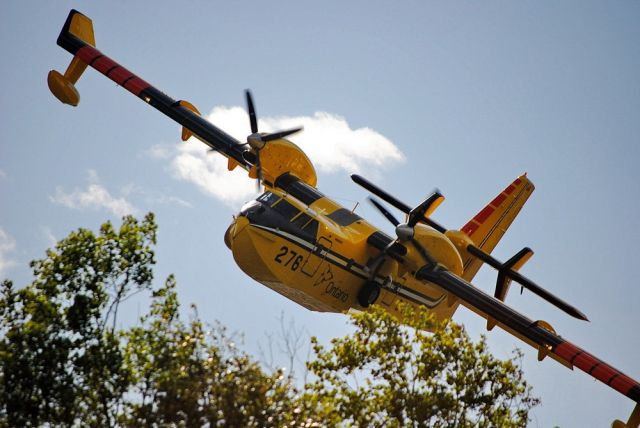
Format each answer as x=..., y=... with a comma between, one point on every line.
x=120, y=74
x=599, y=369
x=585, y=362
x=104, y=64
x=622, y=383
x=603, y=372
x=87, y=53
x=566, y=350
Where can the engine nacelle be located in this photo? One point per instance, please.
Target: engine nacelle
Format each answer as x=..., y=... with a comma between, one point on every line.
x=281, y=156
x=439, y=246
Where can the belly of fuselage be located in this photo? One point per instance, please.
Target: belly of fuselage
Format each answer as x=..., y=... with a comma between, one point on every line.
x=290, y=266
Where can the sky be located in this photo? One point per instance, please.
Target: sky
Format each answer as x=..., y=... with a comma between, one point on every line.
x=462, y=96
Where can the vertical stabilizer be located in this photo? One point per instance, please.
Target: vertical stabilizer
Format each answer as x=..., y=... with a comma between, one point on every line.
x=488, y=226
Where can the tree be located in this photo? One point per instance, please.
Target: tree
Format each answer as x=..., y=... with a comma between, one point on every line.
x=188, y=375
x=390, y=374
x=59, y=354
x=64, y=362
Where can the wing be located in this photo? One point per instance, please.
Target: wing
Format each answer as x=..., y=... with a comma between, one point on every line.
x=537, y=333
x=78, y=39
x=265, y=156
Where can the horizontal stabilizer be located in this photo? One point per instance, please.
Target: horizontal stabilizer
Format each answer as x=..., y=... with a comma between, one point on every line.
x=524, y=281
x=514, y=264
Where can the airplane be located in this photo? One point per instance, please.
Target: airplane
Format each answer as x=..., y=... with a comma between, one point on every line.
x=298, y=242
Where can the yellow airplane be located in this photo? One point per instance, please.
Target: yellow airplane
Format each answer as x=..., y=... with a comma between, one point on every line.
x=298, y=242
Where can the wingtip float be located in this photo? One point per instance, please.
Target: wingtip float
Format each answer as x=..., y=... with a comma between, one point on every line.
x=305, y=246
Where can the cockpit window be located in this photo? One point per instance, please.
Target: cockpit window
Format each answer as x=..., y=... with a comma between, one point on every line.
x=268, y=198
x=300, y=220
x=311, y=228
x=285, y=209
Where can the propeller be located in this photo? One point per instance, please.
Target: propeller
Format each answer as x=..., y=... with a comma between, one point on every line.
x=257, y=140
x=405, y=231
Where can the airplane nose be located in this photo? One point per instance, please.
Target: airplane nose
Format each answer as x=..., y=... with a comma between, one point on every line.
x=234, y=228
x=227, y=235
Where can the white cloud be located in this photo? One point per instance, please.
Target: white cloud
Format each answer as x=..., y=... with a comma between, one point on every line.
x=208, y=171
x=333, y=145
x=169, y=200
x=95, y=196
x=7, y=245
x=328, y=140
x=153, y=197
x=160, y=151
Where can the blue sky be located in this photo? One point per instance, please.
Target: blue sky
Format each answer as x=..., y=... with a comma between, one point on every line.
x=468, y=95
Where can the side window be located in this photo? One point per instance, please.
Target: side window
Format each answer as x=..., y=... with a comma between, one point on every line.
x=311, y=228
x=301, y=220
x=344, y=217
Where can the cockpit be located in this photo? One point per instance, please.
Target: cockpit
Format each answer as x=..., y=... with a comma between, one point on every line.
x=274, y=211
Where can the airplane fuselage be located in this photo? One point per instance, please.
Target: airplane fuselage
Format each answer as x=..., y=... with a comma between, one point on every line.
x=295, y=241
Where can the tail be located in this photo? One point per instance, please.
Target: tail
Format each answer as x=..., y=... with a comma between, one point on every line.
x=488, y=226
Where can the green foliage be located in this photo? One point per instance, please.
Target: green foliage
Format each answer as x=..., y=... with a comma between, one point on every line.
x=59, y=361
x=63, y=362
x=186, y=375
x=388, y=374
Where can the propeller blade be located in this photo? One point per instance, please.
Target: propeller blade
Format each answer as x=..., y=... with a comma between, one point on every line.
x=424, y=253
x=384, y=211
x=418, y=213
x=393, y=201
x=421, y=250
x=258, y=170
x=280, y=134
x=252, y=112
